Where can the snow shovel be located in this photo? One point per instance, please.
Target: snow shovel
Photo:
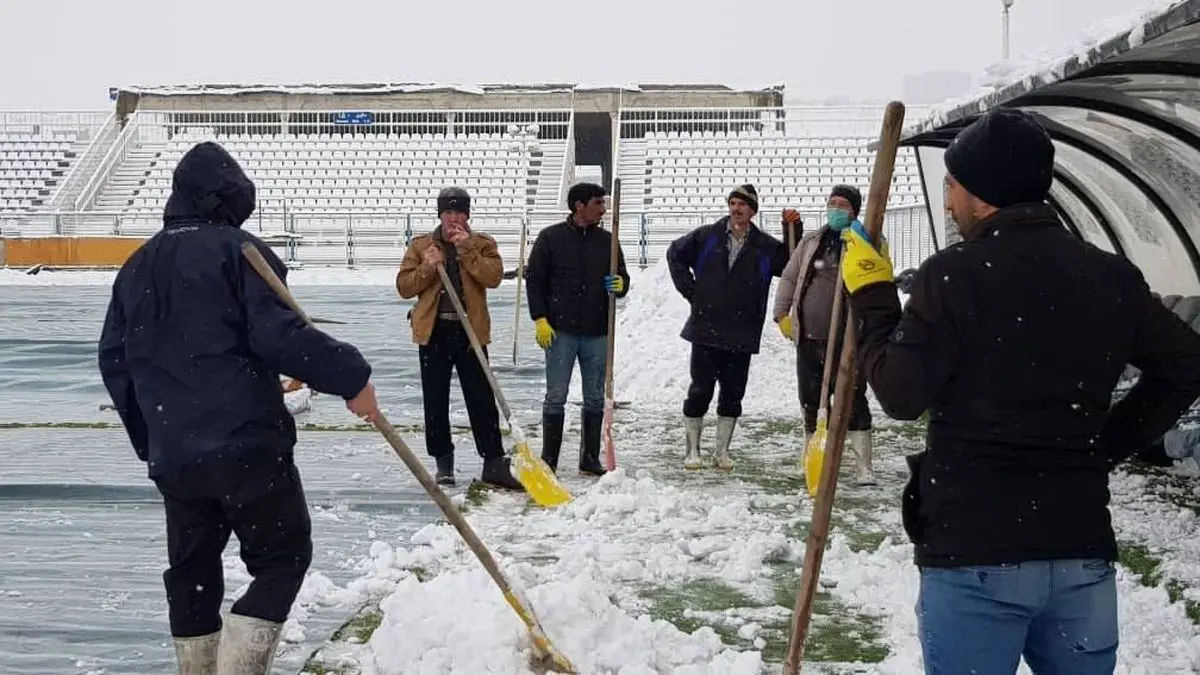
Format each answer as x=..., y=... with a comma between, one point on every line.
x=814, y=451
x=818, y=529
x=520, y=605
x=533, y=473
x=610, y=448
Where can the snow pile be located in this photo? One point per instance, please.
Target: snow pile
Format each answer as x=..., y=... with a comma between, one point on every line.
x=478, y=633
x=1167, y=530
x=617, y=536
x=651, y=365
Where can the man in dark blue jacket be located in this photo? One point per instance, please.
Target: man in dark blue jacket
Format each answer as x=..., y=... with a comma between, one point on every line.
x=724, y=271
x=191, y=352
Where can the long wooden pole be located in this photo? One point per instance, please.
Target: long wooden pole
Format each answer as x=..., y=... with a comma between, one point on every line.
x=520, y=280
x=511, y=595
x=614, y=252
x=818, y=530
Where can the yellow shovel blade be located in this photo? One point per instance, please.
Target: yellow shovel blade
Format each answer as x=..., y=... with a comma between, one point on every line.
x=814, y=458
x=537, y=478
x=541, y=641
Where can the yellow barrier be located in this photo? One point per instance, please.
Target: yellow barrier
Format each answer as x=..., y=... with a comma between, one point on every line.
x=67, y=251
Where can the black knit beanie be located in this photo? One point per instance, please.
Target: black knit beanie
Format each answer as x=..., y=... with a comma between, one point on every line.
x=850, y=194
x=454, y=199
x=746, y=193
x=1003, y=158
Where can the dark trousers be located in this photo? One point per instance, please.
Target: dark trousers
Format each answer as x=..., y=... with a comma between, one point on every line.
x=710, y=367
x=449, y=350
x=810, y=368
x=260, y=498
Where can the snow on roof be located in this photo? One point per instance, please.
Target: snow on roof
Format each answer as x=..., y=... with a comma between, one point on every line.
x=231, y=89
x=1005, y=80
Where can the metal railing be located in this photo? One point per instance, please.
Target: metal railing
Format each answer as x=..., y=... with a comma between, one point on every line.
x=364, y=239
x=108, y=165
x=797, y=121
x=551, y=123
x=568, y=168
x=39, y=121
x=85, y=164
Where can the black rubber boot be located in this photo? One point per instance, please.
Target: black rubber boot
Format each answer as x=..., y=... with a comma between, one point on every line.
x=589, y=445
x=552, y=433
x=496, y=473
x=445, y=469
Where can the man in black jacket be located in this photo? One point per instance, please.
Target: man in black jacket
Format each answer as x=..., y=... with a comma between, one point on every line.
x=567, y=287
x=724, y=271
x=1014, y=341
x=191, y=353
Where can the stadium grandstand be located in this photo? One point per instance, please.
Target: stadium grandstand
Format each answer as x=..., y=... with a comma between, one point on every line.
x=347, y=174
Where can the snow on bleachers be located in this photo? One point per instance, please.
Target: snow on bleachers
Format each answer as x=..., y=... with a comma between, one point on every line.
x=31, y=165
x=343, y=173
x=689, y=172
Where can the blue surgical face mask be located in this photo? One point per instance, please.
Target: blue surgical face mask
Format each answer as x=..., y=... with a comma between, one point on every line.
x=837, y=219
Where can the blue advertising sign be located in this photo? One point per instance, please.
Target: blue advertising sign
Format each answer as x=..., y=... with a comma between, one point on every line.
x=354, y=118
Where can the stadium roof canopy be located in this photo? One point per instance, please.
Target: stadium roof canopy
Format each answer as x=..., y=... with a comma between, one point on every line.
x=1125, y=119
x=416, y=87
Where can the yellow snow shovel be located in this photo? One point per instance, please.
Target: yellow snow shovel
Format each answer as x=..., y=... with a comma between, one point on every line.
x=814, y=450
x=533, y=474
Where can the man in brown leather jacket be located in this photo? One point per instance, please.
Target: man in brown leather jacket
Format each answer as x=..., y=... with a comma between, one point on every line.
x=473, y=264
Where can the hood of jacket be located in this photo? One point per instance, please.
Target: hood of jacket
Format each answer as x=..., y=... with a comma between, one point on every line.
x=209, y=186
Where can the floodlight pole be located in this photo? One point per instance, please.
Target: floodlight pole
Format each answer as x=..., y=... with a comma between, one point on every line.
x=1004, y=44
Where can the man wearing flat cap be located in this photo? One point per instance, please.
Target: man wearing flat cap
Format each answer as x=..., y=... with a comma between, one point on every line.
x=1013, y=341
x=724, y=271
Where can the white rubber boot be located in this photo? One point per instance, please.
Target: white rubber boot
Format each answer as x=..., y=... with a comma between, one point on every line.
x=247, y=646
x=693, y=426
x=198, y=655
x=725, y=426
x=860, y=442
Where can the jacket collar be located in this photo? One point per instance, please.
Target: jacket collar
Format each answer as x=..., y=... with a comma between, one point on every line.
x=726, y=224
x=1019, y=216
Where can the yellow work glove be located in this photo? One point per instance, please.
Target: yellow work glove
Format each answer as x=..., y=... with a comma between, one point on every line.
x=786, y=327
x=543, y=333
x=862, y=263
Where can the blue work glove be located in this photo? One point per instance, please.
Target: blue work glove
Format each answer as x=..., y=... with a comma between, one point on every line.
x=614, y=284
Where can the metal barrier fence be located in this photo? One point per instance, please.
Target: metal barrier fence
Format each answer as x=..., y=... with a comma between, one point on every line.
x=363, y=239
x=550, y=124
x=36, y=122
x=797, y=121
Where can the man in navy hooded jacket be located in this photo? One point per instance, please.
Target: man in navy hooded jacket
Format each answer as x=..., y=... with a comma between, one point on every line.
x=191, y=353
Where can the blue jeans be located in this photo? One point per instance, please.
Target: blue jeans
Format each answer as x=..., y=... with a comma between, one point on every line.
x=591, y=352
x=1061, y=615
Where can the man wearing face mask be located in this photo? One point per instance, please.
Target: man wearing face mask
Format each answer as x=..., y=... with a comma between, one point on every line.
x=724, y=271
x=191, y=353
x=567, y=290
x=473, y=264
x=1014, y=341
x=803, y=311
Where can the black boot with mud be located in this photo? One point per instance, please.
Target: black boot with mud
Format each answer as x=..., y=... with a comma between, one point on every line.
x=445, y=470
x=589, y=445
x=552, y=434
x=497, y=474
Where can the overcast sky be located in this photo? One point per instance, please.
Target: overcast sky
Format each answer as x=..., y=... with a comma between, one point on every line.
x=64, y=54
